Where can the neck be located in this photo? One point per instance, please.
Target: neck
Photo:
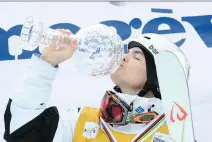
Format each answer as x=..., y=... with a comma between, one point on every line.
x=129, y=91
x=136, y=91
x=149, y=95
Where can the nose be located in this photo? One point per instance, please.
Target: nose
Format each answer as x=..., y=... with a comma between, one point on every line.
x=125, y=58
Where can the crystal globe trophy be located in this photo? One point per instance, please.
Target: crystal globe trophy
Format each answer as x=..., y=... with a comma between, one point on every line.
x=99, y=50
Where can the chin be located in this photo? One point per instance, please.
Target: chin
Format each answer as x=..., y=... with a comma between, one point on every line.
x=116, y=76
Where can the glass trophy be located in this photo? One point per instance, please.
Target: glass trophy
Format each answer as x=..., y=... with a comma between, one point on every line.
x=99, y=50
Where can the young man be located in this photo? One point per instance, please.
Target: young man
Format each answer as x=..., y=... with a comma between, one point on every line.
x=130, y=112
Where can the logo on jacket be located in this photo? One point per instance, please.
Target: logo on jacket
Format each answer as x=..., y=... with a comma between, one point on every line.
x=159, y=137
x=90, y=130
x=139, y=110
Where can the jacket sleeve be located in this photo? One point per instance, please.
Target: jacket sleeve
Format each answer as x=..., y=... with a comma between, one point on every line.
x=32, y=92
x=35, y=86
x=26, y=117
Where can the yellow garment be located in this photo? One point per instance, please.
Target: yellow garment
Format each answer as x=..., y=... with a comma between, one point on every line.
x=92, y=115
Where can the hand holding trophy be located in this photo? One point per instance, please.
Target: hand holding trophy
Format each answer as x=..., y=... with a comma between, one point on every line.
x=97, y=49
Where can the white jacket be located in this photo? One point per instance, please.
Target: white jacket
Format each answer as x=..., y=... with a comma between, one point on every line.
x=31, y=94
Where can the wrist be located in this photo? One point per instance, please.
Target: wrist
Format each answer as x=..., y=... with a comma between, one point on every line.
x=49, y=60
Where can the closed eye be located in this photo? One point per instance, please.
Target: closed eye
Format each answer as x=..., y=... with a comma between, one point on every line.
x=138, y=55
x=137, y=58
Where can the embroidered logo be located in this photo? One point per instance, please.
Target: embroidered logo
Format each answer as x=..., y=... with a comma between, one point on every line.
x=90, y=130
x=159, y=137
x=139, y=110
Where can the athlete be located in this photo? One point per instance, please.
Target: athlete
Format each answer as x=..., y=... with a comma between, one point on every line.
x=131, y=111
